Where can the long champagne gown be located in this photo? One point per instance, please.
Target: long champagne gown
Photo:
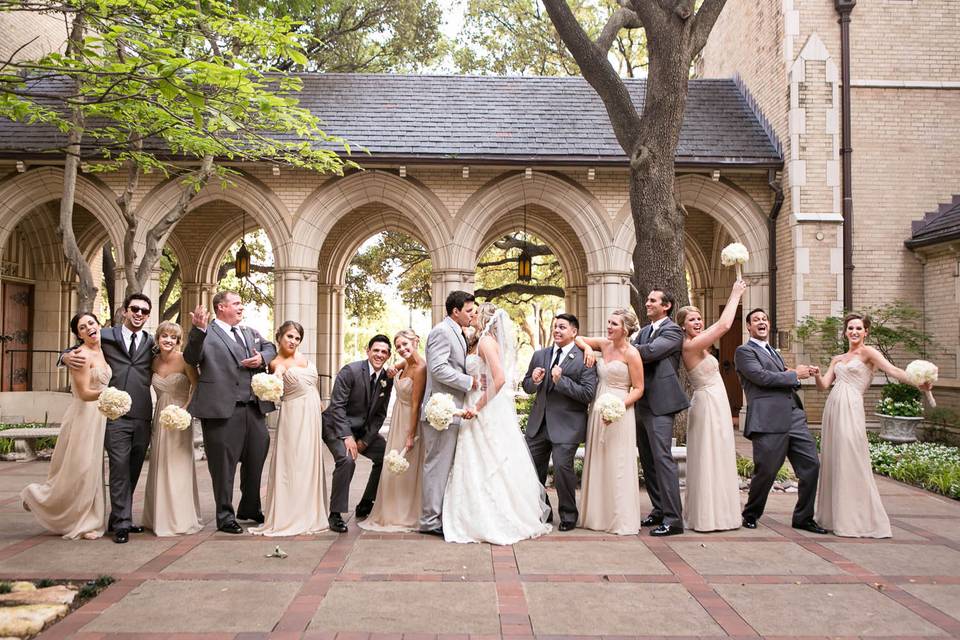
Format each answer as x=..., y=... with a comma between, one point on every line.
x=610, y=490
x=397, y=506
x=71, y=501
x=713, y=486
x=171, y=506
x=848, y=502
x=297, y=500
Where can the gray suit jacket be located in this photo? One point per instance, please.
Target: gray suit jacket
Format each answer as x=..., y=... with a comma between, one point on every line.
x=662, y=393
x=130, y=373
x=564, y=403
x=223, y=380
x=446, y=355
x=770, y=390
x=352, y=410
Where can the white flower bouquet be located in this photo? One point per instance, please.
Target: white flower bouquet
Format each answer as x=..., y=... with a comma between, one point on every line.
x=267, y=387
x=114, y=403
x=440, y=411
x=922, y=372
x=396, y=462
x=735, y=254
x=611, y=407
x=175, y=418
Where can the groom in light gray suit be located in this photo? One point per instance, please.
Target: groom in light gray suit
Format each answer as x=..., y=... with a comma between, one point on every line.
x=446, y=355
x=232, y=418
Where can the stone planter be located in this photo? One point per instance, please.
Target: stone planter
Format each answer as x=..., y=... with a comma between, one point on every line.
x=899, y=429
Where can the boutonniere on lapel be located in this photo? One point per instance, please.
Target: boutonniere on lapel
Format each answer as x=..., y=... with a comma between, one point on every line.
x=570, y=357
x=383, y=385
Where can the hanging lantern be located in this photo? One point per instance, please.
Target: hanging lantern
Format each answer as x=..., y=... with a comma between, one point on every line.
x=524, y=265
x=241, y=264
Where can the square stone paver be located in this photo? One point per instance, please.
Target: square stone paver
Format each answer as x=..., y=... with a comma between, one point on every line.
x=946, y=527
x=945, y=597
x=59, y=557
x=901, y=559
x=188, y=606
x=249, y=556
x=430, y=556
x=409, y=607
x=919, y=503
x=607, y=609
x=18, y=526
x=601, y=557
x=752, y=558
x=786, y=520
x=823, y=610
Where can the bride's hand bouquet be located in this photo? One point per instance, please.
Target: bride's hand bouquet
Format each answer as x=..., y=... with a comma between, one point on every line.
x=441, y=410
x=267, y=387
x=611, y=407
x=921, y=372
x=396, y=462
x=735, y=255
x=114, y=403
x=175, y=418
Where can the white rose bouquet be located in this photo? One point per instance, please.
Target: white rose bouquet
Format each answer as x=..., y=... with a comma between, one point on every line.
x=114, y=403
x=735, y=254
x=267, y=387
x=922, y=372
x=440, y=411
x=396, y=462
x=175, y=418
x=611, y=407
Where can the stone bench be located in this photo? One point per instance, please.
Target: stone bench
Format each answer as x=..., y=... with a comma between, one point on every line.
x=25, y=440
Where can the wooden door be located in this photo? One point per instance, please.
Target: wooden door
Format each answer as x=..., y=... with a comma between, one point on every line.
x=17, y=317
x=728, y=345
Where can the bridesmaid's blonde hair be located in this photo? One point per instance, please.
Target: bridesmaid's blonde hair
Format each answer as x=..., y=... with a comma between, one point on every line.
x=684, y=312
x=409, y=334
x=628, y=318
x=171, y=328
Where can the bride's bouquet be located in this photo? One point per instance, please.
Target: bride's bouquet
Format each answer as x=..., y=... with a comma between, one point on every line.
x=611, y=407
x=175, y=418
x=267, y=387
x=735, y=254
x=114, y=403
x=396, y=462
x=922, y=372
x=440, y=411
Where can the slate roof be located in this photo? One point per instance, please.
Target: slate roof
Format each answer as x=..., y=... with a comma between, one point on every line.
x=508, y=119
x=942, y=225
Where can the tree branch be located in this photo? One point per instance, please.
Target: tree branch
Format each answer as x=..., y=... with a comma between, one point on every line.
x=622, y=18
x=703, y=23
x=520, y=289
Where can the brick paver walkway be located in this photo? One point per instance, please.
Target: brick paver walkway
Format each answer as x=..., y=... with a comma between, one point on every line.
x=771, y=582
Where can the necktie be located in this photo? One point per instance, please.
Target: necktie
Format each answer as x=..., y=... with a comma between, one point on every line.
x=653, y=334
x=774, y=355
x=239, y=339
x=556, y=360
x=373, y=384
x=133, y=343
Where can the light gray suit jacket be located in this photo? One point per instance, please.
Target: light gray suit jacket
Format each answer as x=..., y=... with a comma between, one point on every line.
x=446, y=355
x=769, y=388
x=564, y=403
x=223, y=380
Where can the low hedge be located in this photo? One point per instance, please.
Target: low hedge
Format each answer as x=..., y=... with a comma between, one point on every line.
x=928, y=465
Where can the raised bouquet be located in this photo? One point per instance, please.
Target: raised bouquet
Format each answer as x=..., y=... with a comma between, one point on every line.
x=114, y=403
x=440, y=411
x=735, y=254
x=175, y=418
x=922, y=372
x=267, y=387
x=611, y=407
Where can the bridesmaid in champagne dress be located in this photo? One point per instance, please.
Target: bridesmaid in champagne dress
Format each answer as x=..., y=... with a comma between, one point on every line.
x=171, y=506
x=713, y=486
x=71, y=501
x=848, y=502
x=297, y=500
x=610, y=494
x=397, y=505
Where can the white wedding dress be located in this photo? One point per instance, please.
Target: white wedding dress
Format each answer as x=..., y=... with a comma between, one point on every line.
x=493, y=494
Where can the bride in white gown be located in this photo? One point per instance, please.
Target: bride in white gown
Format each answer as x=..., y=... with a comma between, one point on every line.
x=493, y=494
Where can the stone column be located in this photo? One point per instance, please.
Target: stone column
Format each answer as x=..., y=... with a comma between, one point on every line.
x=444, y=281
x=329, y=334
x=296, y=299
x=606, y=291
x=575, y=301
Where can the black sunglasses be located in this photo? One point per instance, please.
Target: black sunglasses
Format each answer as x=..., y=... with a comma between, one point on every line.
x=142, y=310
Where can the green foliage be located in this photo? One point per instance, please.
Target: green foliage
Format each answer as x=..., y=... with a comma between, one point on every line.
x=898, y=399
x=43, y=583
x=745, y=469
x=258, y=288
x=7, y=444
x=104, y=581
x=6, y=587
x=943, y=416
x=524, y=405
x=821, y=338
x=935, y=467
x=392, y=259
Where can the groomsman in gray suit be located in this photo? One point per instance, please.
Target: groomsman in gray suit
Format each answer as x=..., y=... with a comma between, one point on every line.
x=351, y=426
x=661, y=345
x=128, y=349
x=558, y=419
x=446, y=355
x=232, y=418
x=776, y=424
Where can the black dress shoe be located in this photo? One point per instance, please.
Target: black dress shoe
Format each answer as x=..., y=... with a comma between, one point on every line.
x=749, y=523
x=651, y=521
x=256, y=517
x=666, y=530
x=336, y=523
x=230, y=527
x=121, y=536
x=433, y=532
x=135, y=528
x=567, y=526
x=811, y=526
x=363, y=510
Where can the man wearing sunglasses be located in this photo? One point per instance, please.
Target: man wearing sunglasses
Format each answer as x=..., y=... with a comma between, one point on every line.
x=128, y=349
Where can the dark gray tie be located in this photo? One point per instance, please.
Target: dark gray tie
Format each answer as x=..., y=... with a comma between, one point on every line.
x=133, y=343
x=776, y=356
x=239, y=339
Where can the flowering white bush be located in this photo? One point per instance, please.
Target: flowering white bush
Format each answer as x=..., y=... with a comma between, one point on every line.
x=611, y=407
x=923, y=372
x=395, y=462
x=114, y=403
x=175, y=418
x=440, y=410
x=267, y=387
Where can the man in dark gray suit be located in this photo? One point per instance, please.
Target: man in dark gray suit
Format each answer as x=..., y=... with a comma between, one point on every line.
x=232, y=418
x=558, y=419
x=661, y=345
x=128, y=349
x=351, y=426
x=776, y=424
